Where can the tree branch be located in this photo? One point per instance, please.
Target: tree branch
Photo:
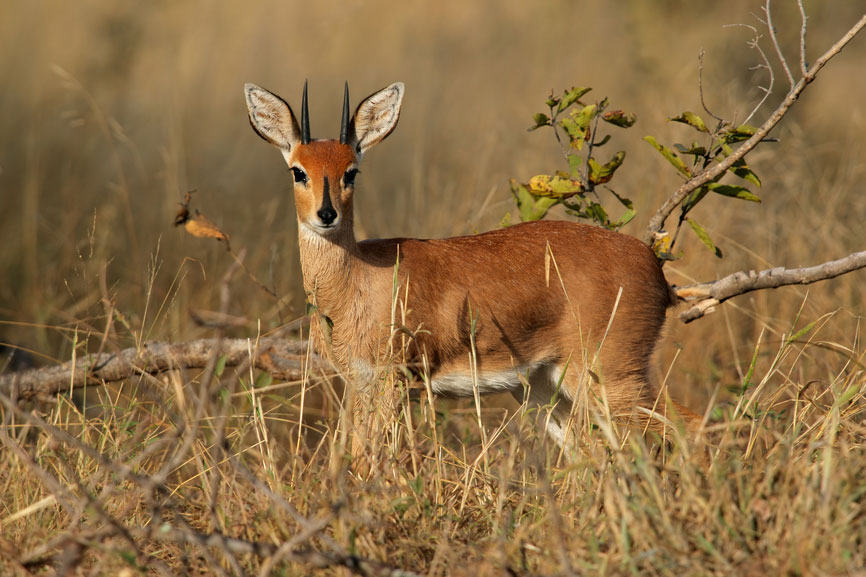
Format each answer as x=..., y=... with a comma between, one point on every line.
x=281, y=357
x=657, y=221
x=705, y=296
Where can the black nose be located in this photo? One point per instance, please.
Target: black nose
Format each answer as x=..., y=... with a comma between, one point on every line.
x=327, y=215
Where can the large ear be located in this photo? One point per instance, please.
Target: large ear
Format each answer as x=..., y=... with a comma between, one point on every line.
x=271, y=117
x=376, y=117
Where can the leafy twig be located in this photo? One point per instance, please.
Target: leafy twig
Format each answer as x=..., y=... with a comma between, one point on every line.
x=707, y=176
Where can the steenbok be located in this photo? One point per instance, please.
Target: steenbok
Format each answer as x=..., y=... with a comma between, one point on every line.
x=545, y=310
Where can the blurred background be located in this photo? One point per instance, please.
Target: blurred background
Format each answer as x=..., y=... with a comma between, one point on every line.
x=112, y=111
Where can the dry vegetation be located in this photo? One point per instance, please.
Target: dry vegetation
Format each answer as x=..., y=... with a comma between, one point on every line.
x=113, y=112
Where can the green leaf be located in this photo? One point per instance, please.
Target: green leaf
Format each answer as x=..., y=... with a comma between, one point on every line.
x=574, y=163
x=739, y=133
x=693, y=150
x=602, y=142
x=416, y=484
x=733, y=191
x=705, y=238
x=600, y=174
x=619, y=118
x=626, y=218
x=577, y=125
x=801, y=332
x=597, y=213
x=263, y=380
x=584, y=116
x=694, y=198
x=569, y=97
x=747, y=381
x=220, y=366
x=626, y=202
x=725, y=150
x=540, y=120
x=741, y=169
x=530, y=207
x=576, y=134
x=692, y=120
x=671, y=156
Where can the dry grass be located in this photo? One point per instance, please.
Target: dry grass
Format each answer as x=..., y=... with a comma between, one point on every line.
x=443, y=494
x=112, y=112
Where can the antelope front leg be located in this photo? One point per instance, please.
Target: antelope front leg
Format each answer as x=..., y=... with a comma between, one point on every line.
x=374, y=410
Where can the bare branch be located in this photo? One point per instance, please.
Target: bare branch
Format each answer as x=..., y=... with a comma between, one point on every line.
x=701, y=86
x=804, y=67
x=705, y=296
x=778, y=48
x=281, y=357
x=657, y=221
x=755, y=43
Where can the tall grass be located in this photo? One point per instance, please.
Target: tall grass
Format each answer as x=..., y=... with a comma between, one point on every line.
x=213, y=474
x=112, y=112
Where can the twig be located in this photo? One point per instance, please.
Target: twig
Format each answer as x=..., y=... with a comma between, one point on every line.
x=701, y=87
x=658, y=219
x=778, y=47
x=804, y=67
x=755, y=43
x=707, y=295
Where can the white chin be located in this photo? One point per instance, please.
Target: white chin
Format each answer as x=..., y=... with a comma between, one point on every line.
x=321, y=229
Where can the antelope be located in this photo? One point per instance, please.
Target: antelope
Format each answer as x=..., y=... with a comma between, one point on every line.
x=542, y=304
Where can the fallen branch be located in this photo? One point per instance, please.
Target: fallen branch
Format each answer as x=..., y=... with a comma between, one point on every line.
x=283, y=358
x=48, y=554
x=657, y=221
x=706, y=296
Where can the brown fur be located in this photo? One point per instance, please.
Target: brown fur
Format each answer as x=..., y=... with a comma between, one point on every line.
x=541, y=294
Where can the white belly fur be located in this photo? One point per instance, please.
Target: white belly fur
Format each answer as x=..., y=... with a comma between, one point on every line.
x=460, y=384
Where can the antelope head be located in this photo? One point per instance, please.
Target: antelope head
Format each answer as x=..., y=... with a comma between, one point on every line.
x=324, y=170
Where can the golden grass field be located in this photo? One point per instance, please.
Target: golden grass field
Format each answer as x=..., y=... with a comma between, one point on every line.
x=111, y=112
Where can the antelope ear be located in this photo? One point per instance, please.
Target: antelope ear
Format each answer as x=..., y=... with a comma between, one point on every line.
x=271, y=117
x=376, y=117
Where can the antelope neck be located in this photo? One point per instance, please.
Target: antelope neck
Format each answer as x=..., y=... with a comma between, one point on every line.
x=330, y=265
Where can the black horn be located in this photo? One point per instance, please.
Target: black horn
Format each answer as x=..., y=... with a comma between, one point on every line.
x=305, y=118
x=344, y=127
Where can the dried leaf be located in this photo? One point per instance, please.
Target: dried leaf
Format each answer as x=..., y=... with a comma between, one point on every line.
x=555, y=186
x=199, y=226
x=619, y=118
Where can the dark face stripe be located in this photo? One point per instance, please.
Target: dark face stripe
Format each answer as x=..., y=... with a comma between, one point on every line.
x=326, y=196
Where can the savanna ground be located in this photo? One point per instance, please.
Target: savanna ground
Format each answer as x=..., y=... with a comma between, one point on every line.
x=112, y=112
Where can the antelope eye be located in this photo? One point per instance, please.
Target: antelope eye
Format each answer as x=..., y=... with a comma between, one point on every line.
x=349, y=177
x=299, y=175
